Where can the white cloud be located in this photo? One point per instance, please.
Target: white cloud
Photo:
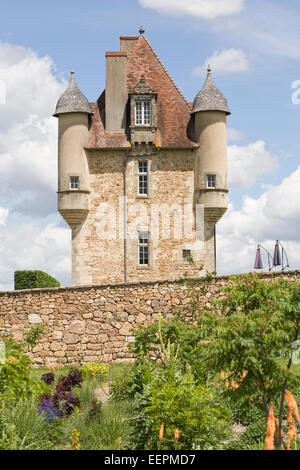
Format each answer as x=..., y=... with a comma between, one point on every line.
x=29, y=246
x=274, y=215
x=3, y=215
x=234, y=135
x=206, y=9
x=30, y=84
x=226, y=61
x=247, y=164
x=28, y=132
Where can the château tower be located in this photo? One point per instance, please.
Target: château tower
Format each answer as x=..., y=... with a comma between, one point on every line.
x=142, y=172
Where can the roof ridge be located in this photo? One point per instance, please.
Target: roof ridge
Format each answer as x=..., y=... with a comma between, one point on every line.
x=167, y=73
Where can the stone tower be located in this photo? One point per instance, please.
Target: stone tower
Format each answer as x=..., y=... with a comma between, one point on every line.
x=142, y=172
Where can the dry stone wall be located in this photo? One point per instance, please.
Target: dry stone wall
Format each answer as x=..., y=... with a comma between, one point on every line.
x=90, y=323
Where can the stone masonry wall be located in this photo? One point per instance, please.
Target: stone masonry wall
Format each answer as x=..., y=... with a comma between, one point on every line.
x=90, y=323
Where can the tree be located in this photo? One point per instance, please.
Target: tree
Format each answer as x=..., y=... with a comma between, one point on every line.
x=256, y=323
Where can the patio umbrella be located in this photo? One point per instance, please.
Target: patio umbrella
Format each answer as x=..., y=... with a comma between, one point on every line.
x=277, y=257
x=258, y=261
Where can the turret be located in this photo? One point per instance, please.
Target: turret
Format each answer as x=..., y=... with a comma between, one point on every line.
x=210, y=110
x=73, y=112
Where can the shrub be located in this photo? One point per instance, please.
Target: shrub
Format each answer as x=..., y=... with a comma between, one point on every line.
x=34, y=280
x=15, y=381
x=96, y=370
x=62, y=402
x=174, y=399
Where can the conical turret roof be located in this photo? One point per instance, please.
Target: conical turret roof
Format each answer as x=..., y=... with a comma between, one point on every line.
x=72, y=100
x=210, y=98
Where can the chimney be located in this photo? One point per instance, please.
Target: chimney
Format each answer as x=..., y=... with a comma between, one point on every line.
x=127, y=43
x=116, y=94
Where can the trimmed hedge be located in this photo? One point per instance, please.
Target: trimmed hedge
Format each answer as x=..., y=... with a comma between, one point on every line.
x=34, y=280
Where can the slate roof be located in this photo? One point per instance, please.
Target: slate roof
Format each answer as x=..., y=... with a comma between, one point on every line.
x=173, y=111
x=72, y=100
x=210, y=98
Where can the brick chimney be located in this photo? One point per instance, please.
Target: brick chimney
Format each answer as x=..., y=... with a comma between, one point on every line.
x=116, y=94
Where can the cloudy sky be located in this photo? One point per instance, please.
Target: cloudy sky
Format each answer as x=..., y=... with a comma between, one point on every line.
x=253, y=47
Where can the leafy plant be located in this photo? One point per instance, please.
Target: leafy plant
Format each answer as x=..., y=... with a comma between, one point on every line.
x=33, y=334
x=259, y=322
x=173, y=398
x=15, y=381
x=96, y=370
x=62, y=402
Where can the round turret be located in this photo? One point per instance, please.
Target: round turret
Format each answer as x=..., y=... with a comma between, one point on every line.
x=210, y=110
x=73, y=111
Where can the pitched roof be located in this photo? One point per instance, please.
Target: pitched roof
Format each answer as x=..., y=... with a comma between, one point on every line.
x=173, y=111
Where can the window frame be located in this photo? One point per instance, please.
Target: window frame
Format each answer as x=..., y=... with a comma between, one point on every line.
x=143, y=179
x=141, y=245
x=74, y=185
x=186, y=253
x=213, y=178
x=145, y=114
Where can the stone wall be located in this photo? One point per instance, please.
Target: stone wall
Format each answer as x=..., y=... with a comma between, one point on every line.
x=90, y=323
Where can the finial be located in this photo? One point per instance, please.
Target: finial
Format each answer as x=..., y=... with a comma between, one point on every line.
x=143, y=80
x=141, y=31
x=208, y=69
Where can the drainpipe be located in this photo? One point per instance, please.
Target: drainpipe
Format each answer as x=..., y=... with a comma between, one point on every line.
x=215, y=249
x=125, y=214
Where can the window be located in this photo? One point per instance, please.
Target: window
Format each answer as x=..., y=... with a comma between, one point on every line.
x=186, y=255
x=143, y=178
x=142, y=113
x=143, y=244
x=74, y=182
x=211, y=181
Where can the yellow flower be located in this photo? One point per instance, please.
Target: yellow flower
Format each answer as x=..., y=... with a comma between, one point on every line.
x=75, y=440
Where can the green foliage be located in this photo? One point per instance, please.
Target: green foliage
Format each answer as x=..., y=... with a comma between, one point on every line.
x=34, y=280
x=132, y=382
x=33, y=335
x=15, y=381
x=185, y=339
x=22, y=428
x=96, y=370
x=174, y=398
x=259, y=321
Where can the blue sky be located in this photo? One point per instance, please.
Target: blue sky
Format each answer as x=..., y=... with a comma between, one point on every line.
x=254, y=49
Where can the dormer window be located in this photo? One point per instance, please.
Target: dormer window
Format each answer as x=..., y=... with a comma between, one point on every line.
x=143, y=113
x=143, y=119
x=74, y=182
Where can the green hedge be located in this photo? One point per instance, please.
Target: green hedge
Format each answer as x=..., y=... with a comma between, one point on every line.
x=34, y=280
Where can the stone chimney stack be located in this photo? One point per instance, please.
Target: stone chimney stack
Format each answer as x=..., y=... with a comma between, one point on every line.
x=116, y=95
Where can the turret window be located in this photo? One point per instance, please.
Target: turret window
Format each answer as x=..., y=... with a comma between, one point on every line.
x=142, y=113
x=211, y=181
x=74, y=182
